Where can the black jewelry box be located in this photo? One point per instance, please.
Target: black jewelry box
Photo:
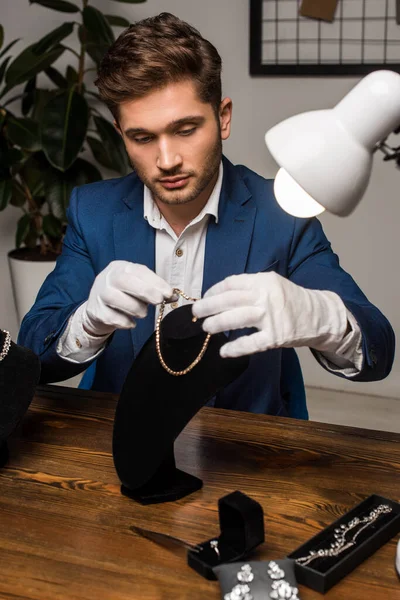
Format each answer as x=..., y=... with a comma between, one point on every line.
x=241, y=522
x=324, y=572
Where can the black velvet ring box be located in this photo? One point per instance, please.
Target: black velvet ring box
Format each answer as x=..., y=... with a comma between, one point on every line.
x=241, y=522
x=323, y=573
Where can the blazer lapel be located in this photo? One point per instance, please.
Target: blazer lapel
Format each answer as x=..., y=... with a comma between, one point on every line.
x=134, y=240
x=228, y=241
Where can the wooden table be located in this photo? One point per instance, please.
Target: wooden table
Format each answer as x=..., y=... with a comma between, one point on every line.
x=65, y=527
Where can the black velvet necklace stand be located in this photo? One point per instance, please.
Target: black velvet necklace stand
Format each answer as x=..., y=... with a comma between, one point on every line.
x=155, y=406
x=19, y=374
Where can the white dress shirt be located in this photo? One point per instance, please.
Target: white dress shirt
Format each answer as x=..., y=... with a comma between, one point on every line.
x=180, y=261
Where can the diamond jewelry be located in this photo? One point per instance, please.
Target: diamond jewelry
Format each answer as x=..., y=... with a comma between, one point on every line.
x=274, y=570
x=158, y=343
x=6, y=345
x=241, y=591
x=245, y=574
x=342, y=543
x=214, y=546
x=282, y=590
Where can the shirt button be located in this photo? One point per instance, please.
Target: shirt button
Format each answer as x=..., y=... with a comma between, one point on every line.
x=179, y=252
x=174, y=304
x=78, y=342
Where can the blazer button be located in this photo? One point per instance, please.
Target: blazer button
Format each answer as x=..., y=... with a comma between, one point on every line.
x=49, y=337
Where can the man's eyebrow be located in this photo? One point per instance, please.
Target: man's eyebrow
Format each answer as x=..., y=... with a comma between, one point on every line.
x=197, y=119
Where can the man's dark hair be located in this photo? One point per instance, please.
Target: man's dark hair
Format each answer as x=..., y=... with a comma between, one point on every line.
x=154, y=52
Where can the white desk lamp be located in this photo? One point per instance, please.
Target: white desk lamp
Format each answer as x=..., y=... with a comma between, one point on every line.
x=326, y=155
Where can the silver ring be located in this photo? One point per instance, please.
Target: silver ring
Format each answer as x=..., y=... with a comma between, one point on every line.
x=214, y=546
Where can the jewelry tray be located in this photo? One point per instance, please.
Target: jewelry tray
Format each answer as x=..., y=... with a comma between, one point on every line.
x=323, y=573
x=241, y=522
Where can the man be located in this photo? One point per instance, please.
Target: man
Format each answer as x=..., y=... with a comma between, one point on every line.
x=187, y=218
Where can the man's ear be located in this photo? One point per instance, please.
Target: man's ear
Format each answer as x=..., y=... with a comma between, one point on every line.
x=117, y=127
x=225, y=117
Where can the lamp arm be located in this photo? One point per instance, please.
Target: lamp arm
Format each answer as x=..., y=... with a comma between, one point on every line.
x=390, y=152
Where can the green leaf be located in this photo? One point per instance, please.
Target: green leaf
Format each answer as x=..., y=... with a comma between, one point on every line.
x=1, y=35
x=23, y=227
x=24, y=133
x=56, y=77
x=5, y=192
x=3, y=115
x=8, y=47
x=18, y=197
x=96, y=51
x=60, y=185
x=113, y=145
x=9, y=158
x=60, y=5
x=52, y=226
x=29, y=96
x=99, y=152
x=96, y=24
x=71, y=75
x=3, y=67
x=27, y=64
x=33, y=173
x=63, y=128
x=117, y=21
x=53, y=38
x=42, y=97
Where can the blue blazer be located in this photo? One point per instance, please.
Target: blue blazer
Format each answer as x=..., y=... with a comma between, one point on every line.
x=253, y=235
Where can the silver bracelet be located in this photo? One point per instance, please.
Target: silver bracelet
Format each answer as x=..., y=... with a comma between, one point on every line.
x=6, y=345
x=341, y=542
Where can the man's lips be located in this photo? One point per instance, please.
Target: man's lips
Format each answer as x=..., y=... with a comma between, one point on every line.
x=174, y=182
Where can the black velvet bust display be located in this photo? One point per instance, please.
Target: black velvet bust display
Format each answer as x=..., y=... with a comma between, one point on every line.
x=155, y=406
x=19, y=375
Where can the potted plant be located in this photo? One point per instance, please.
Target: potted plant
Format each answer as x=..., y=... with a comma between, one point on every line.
x=41, y=144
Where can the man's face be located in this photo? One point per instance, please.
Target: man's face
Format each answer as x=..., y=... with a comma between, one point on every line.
x=174, y=141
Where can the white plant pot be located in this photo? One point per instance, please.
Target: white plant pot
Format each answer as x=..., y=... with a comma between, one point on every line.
x=27, y=277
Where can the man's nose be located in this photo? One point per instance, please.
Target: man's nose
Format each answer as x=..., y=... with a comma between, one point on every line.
x=168, y=155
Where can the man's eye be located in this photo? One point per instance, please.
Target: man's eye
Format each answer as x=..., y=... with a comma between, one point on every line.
x=142, y=140
x=187, y=131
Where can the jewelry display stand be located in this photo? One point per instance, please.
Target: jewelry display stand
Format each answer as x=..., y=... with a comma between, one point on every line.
x=241, y=522
x=19, y=374
x=258, y=579
x=154, y=406
x=364, y=529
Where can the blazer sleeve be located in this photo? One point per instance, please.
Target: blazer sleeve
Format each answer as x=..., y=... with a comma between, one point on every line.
x=66, y=288
x=313, y=264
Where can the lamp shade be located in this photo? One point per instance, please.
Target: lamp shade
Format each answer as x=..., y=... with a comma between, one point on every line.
x=326, y=155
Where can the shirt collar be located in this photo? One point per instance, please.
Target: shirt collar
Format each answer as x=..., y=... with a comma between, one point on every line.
x=152, y=214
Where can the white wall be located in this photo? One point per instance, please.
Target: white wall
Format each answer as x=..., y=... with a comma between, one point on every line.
x=367, y=242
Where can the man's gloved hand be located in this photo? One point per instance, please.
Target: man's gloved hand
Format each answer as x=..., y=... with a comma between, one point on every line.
x=285, y=314
x=120, y=294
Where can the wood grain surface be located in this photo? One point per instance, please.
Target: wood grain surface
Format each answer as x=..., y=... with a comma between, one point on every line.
x=65, y=528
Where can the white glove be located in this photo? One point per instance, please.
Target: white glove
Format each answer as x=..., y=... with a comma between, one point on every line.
x=120, y=294
x=285, y=314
